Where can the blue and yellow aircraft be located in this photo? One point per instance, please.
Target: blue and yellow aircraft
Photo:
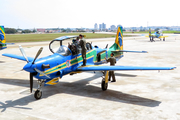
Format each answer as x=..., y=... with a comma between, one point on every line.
x=68, y=60
x=157, y=34
x=3, y=38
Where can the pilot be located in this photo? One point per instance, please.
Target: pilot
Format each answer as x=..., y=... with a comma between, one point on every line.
x=77, y=40
x=82, y=43
x=112, y=61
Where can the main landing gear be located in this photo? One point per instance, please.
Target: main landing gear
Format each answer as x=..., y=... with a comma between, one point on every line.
x=38, y=92
x=164, y=39
x=104, y=83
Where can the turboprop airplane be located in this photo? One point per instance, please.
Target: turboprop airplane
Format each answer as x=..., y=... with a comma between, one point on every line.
x=3, y=38
x=157, y=34
x=68, y=60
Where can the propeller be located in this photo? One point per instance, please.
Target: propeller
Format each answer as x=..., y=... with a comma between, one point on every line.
x=31, y=82
x=38, y=53
x=41, y=72
x=23, y=53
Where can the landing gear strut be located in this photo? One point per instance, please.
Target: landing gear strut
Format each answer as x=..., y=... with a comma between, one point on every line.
x=38, y=92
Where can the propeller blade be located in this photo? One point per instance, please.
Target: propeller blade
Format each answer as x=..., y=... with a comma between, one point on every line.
x=31, y=82
x=38, y=53
x=41, y=72
x=23, y=53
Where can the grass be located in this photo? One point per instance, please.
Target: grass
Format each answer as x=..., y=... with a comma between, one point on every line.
x=50, y=36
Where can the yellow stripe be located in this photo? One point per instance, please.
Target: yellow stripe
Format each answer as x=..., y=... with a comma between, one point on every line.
x=63, y=67
x=80, y=55
x=55, y=67
x=53, y=81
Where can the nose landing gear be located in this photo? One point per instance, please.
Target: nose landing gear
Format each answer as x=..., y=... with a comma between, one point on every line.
x=38, y=92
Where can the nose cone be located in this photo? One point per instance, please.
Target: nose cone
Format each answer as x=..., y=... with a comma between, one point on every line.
x=29, y=67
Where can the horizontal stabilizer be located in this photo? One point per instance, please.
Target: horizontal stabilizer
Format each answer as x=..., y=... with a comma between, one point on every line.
x=130, y=51
x=120, y=68
x=102, y=51
x=18, y=57
x=7, y=43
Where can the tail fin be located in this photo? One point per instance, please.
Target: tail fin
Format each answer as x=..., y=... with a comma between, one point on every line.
x=118, y=45
x=2, y=38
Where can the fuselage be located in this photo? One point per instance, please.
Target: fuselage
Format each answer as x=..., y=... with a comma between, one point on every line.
x=60, y=65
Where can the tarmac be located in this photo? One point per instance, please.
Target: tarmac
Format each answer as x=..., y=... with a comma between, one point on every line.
x=137, y=95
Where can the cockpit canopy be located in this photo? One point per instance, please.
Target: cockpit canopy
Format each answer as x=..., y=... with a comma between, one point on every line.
x=56, y=45
x=73, y=48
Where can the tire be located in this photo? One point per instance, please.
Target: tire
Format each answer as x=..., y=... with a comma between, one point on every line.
x=164, y=39
x=38, y=94
x=104, y=85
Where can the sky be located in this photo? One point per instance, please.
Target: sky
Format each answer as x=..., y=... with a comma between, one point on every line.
x=29, y=14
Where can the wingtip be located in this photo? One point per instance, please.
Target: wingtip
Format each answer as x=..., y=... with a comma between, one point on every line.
x=144, y=51
x=173, y=68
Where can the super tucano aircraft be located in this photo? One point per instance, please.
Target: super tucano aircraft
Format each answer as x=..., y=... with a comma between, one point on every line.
x=68, y=60
x=3, y=38
x=158, y=34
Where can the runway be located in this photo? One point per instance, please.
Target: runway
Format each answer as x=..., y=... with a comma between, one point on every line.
x=136, y=95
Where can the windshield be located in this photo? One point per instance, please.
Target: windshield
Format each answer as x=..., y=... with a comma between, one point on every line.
x=63, y=50
x=56, y=47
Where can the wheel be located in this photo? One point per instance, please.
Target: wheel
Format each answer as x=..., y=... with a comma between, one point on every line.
x=38, y=94
x=164, y=39
x=104, y=85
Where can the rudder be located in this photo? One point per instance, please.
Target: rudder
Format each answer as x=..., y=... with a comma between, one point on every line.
x=119, y=38
x=2, y=38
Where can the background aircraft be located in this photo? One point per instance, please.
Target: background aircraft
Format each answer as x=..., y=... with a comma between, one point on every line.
x=67, y=60
x=3, y=38
x=157, y=34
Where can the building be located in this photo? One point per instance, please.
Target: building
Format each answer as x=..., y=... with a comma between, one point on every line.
x=100, y=27
x=112, y=27
x=118, y=26
x=41, y=30
x=95, y=26
x=103, y=26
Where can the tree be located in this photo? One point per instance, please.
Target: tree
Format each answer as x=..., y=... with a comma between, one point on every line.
x=156, y=29
x=10, y=30
x=34, y=31
x=26, y=31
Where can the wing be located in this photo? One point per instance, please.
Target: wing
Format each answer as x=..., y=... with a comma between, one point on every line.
x=120, y=68
x=129, y=51
x=17, y=57
x=162, y=36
